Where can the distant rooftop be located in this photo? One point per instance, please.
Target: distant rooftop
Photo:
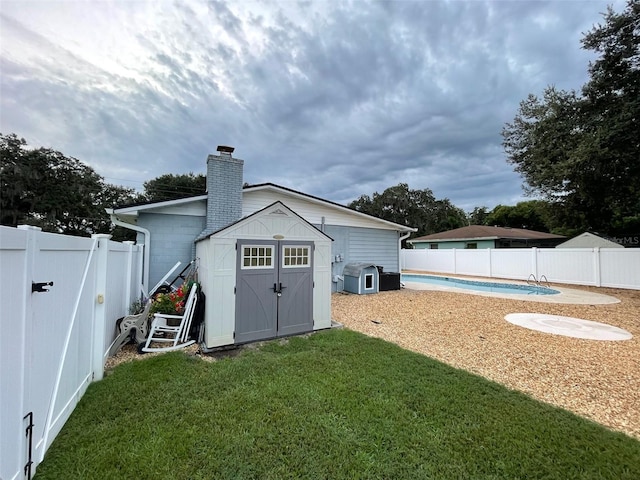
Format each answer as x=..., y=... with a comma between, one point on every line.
x=484, y=232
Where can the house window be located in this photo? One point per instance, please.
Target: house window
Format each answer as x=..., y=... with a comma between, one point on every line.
x=368, y=281
x=433, y=246
x=471, y=246
x=257, y=256
x=295, y=257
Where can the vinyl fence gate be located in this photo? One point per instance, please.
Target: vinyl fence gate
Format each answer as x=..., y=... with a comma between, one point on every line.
x=60, y=297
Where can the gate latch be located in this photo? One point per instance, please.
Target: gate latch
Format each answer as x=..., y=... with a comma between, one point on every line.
x=40, y=287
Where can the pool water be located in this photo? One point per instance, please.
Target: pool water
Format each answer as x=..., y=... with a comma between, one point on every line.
x=479, y=286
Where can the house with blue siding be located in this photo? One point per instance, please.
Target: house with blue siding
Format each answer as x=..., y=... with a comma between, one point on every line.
x=169, y=229
x=268, y=257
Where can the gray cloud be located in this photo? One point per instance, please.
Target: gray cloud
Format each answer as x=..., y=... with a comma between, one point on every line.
x=334, y=99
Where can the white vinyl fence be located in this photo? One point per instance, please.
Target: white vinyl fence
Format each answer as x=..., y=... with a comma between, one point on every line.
x=600, y=267
x=60, y=297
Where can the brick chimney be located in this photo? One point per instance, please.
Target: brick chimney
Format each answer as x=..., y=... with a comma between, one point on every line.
x=224, y=190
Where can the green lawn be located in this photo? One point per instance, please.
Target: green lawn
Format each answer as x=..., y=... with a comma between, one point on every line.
x=333, y=405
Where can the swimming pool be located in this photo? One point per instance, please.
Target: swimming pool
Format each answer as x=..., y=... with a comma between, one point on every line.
x=509, y=288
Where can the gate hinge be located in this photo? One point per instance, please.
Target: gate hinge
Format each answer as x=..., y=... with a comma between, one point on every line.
x=234, y=290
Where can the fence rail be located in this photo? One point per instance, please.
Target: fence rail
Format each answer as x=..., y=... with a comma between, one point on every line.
x=60, y=297
x=600, y=267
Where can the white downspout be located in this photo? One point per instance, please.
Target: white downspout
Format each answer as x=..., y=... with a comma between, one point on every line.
x=400, y=249
x=147, y=243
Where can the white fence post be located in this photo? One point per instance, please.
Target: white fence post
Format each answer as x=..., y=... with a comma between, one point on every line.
x=102, y=266
x=21, y=362
x=596, y=267
x=534, y=262
x=490, y=263
x=455, y=261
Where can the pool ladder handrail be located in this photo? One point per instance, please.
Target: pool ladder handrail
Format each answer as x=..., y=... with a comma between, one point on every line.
x=541, y=282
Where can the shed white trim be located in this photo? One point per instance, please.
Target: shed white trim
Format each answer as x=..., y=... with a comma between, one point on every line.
x=217, y=267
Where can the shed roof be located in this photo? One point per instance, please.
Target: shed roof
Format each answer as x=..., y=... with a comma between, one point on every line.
x=355, y=269
x=485, y=232
x=588, y=240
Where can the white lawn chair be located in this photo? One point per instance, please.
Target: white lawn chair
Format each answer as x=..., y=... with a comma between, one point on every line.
x=177, y=336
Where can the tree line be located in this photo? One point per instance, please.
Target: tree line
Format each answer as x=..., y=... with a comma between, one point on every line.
x=580, y=151
x=61, y=194
x=578, y=154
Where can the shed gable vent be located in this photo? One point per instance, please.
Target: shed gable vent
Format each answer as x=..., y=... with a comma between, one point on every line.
x=278, y=212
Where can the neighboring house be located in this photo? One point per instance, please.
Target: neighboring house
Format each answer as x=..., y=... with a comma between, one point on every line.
x=481, y=236
x=588, y=240
x=233, y=229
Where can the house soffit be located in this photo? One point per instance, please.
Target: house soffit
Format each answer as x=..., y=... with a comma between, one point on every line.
x=445, y=240
x=156, y=207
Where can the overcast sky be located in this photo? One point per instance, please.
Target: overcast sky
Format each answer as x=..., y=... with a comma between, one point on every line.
x=334, y=99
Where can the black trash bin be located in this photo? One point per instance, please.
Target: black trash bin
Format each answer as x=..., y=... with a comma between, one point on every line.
x=388, y=280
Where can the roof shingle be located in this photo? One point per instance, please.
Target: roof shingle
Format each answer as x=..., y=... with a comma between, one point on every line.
x=476, y=232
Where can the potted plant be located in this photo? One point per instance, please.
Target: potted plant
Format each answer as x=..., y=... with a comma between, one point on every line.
x=171, y=303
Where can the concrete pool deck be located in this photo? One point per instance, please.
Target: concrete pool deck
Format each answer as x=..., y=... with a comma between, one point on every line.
x=569, y=296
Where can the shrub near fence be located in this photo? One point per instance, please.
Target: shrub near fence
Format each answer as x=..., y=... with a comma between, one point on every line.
x=54, y=337
x=600, y=267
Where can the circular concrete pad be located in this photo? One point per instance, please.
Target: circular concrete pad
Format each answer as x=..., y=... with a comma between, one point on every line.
x=568, y=326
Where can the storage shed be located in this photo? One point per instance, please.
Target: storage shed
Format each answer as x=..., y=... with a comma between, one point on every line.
x=361, y=278
x=267, y=275
x=589, y=240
